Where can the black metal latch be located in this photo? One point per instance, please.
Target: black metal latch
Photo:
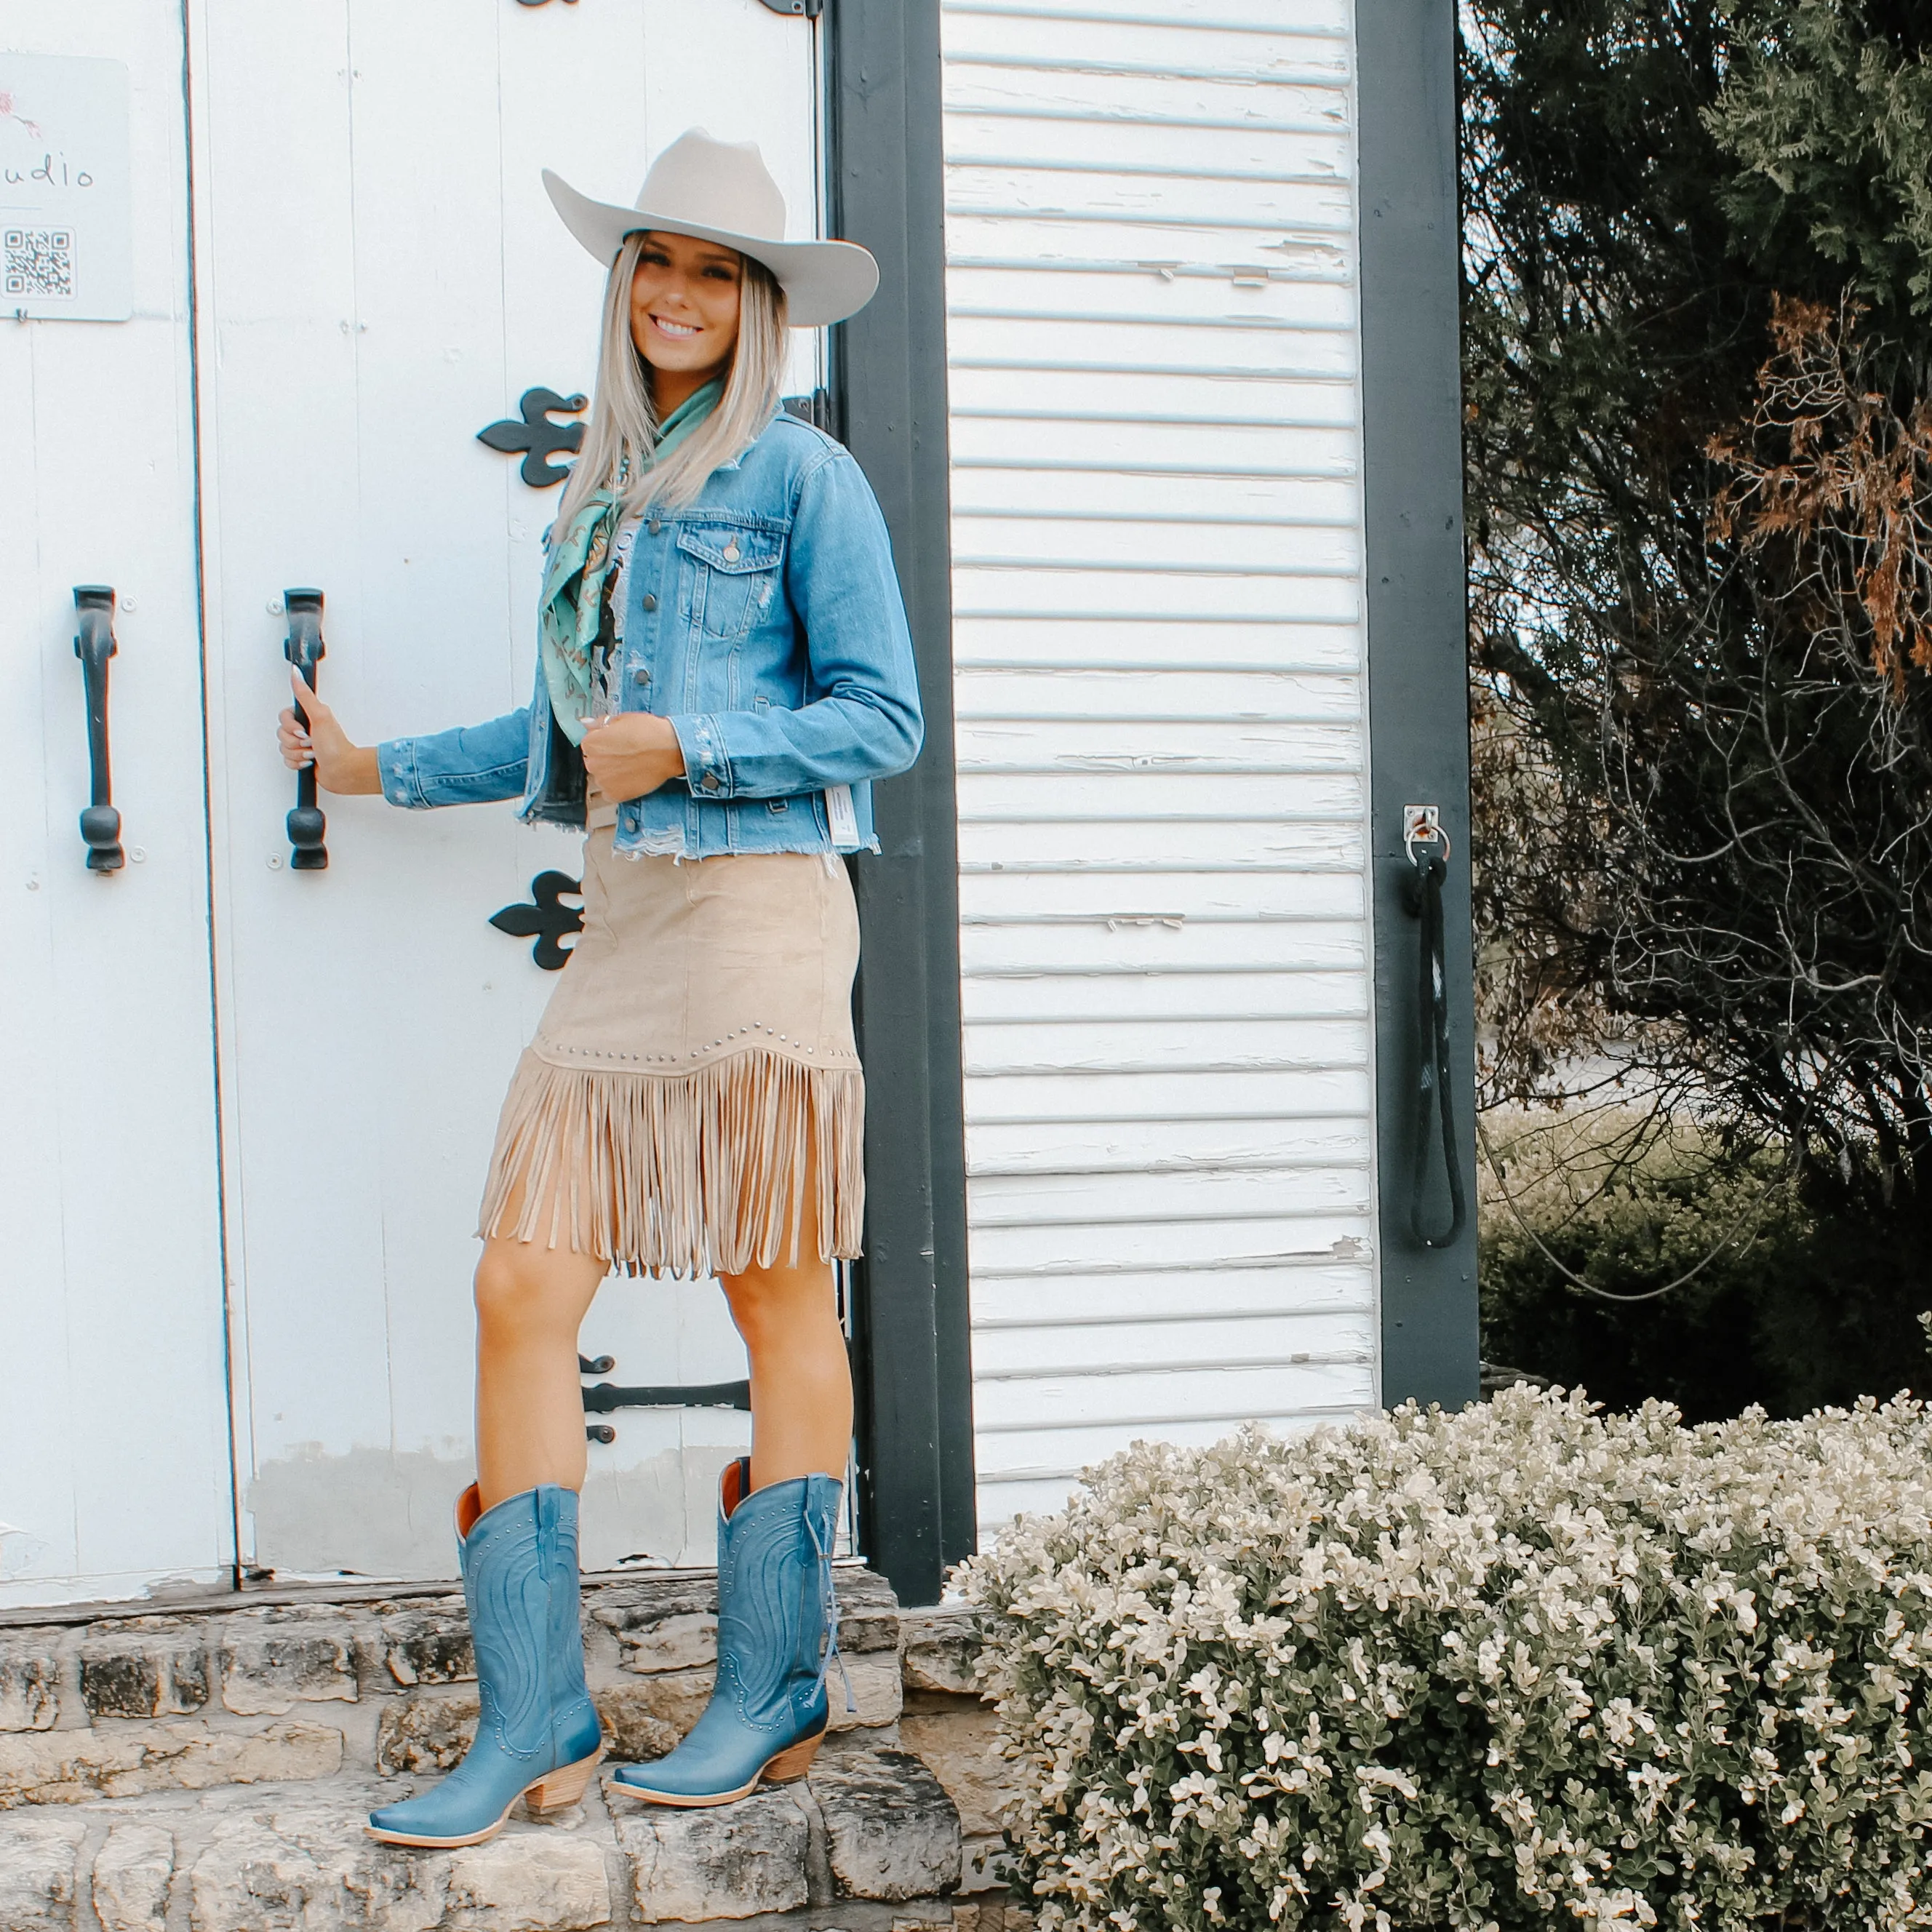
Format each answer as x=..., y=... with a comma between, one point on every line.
x=1426, y=843
x=601, y=1398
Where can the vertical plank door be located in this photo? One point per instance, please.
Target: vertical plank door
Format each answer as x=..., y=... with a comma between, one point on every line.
x=114, y=1468
x=382, y=276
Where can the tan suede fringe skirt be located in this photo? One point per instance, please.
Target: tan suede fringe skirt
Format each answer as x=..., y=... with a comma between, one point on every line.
x=693, y=1099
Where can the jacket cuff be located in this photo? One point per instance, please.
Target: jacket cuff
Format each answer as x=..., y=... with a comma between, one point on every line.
x=396, y=761
x=707, y=769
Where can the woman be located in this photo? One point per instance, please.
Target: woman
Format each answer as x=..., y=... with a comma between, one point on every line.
x=723, y=665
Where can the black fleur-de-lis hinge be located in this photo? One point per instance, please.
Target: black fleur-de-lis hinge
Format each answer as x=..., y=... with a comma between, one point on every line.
x=540, y=437
x=545, y=918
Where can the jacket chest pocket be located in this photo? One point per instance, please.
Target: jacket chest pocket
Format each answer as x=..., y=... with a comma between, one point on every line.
x=733, y=574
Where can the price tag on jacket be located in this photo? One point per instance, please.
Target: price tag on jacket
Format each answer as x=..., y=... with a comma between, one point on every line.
x=843, y=816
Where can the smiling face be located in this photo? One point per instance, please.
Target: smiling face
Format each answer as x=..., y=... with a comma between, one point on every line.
x=684, y=313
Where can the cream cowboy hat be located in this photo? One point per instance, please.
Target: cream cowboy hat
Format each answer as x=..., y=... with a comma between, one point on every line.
x=721, y=191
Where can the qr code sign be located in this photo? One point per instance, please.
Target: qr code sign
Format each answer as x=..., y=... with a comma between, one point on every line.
x=38, y=263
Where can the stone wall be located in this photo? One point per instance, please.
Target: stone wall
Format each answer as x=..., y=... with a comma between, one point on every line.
x=207, y=1770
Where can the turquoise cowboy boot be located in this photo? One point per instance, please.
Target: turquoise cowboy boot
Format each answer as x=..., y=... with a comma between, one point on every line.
x=537, y=1737
x=778, y=1634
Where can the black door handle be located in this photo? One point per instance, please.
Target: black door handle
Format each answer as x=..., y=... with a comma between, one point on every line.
x=99, y=823
x=1422, y=897
x=304, y=649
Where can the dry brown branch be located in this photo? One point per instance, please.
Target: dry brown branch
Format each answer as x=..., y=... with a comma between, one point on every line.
x=1826, y=469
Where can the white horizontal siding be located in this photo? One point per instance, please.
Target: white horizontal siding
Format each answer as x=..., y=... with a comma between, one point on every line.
x=1162, y=755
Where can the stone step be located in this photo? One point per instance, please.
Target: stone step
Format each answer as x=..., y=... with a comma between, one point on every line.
x=869, y=1842
x=207, y=1767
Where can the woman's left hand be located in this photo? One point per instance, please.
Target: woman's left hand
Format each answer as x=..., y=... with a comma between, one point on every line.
x=630, y=755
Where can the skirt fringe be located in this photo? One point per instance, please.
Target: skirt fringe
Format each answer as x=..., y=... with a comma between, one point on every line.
x=701, y=1174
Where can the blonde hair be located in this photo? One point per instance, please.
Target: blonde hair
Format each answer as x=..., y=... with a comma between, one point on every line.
x=622, y=432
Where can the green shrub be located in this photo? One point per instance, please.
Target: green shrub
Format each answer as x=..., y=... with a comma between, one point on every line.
x=1529, y=1665
x=1814, y=1302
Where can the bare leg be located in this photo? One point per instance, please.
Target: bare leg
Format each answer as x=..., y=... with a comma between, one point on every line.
x=778, y=1616
x=546, y=1738
x=801, y=1377
x=531, y=1300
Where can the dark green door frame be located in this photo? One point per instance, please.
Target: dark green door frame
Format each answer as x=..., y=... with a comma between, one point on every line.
x=916, y=1512
x=1418, y=671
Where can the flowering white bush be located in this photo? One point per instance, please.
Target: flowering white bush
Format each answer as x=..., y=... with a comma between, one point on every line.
x=1526, y=1665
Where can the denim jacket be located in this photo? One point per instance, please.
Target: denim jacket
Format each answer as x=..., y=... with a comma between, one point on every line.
x=764, y=620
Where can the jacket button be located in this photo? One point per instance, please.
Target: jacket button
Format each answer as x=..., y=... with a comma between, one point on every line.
x=731, y=553
x=710, y=781
x=656, y=528
x=650, y=600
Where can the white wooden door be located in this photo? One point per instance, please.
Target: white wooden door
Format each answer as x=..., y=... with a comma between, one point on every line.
x=114, y=1463
x=381, y=276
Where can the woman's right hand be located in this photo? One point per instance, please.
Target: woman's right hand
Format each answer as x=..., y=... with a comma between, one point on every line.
x=341, y=766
